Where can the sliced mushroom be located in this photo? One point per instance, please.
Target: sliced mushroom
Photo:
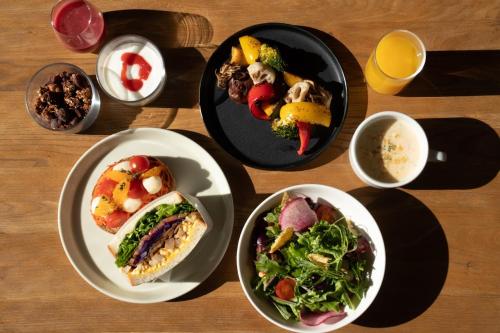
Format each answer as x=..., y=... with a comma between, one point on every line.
x=225, y=73
x=298, y=92
x=261, y=73
x=319, y=95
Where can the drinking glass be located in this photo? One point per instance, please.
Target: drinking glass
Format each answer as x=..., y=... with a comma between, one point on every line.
x=77, y=24
x=398, y=58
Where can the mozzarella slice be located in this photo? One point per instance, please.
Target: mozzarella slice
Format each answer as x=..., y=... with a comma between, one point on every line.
x=152, y=184
x=125, y=166
x=94, y=204
x=131, y=205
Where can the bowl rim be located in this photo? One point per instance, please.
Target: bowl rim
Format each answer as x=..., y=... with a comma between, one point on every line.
x=93, y=88
x=247, y=227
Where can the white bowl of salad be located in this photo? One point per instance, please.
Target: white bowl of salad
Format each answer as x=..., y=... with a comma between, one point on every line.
x=311, y=258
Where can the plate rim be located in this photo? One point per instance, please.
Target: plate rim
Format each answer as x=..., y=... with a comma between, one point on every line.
x=311, y=157
x=89, y=151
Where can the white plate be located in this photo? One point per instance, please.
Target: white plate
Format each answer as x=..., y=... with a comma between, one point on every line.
x=195, y=172
x=351, y=208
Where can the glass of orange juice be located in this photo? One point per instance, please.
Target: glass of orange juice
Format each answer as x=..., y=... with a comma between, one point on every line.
x=397, y=59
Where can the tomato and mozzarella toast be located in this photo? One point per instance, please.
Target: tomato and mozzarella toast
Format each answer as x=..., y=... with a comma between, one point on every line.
x=125, y=187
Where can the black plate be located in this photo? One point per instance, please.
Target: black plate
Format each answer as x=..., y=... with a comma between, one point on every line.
x=250, y=140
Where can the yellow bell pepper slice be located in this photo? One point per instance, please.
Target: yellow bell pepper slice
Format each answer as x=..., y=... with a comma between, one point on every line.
x=250, y=47
x=282, y=239
x=291, y=79
x=307, y=112
x=237, y=57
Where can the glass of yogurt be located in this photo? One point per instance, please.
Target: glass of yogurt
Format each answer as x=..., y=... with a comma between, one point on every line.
x=130, y=69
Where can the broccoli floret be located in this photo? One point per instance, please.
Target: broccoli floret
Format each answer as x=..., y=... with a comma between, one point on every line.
x=285, y=129
x=271, y=57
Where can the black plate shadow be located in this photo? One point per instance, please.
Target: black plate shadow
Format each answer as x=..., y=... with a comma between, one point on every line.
x=416, y=253
x=473, y=154
x=457, y=73
x=250, y=140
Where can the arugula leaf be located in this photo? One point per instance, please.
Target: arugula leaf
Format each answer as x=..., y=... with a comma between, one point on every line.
x=144, y=225
x=340, y=280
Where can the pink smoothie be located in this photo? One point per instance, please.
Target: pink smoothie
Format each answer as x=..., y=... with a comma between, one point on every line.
x=78, y=24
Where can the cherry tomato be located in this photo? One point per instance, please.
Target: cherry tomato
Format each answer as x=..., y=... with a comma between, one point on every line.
x=105, y=187
x=285, y=289
x=139, y=163
x=136, y=190
x=116, y=219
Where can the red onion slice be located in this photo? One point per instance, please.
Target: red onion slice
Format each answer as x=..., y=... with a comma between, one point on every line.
x=297, y=214
x=316, y=318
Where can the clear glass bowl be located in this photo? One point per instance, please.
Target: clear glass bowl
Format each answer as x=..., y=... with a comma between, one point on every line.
x=42, y=77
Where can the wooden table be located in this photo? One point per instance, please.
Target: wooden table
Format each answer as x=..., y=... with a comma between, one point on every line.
x=442, y=232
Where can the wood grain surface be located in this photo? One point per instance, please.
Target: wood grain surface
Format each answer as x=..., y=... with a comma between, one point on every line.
x=442, y=232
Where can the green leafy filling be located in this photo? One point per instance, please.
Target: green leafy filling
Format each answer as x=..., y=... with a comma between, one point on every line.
x=144, y=225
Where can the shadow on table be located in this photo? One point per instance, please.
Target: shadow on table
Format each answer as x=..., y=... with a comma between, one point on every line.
x=177, y=35
x=244, y=199
x=417, y=257
x=358, y=99
x=457, y=73
x=473, y=154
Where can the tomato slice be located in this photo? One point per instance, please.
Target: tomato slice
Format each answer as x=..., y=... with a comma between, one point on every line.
x=105, y=187
x=285, y=289
x=136, y=190
x=139, y=163
x=116, y=219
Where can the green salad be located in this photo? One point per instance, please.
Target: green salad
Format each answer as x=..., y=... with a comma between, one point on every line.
x=311, y=262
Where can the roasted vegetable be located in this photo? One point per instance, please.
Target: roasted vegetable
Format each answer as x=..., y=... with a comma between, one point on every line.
x=307, y=112
x=285, y=128
x=237, y=57
x=260, y=73
x=271, y=57
x=239, y=85
x=291, y=79
x=225, y=73
x=251, y=48
x=304, y=135
x=258, y=96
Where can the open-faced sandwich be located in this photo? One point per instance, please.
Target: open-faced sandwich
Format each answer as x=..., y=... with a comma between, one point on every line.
x=158, y=237
x=125, y=187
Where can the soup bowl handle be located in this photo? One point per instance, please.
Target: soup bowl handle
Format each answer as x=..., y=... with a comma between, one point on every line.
x=436, y=156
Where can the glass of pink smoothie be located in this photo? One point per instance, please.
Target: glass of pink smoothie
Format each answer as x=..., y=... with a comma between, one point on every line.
x=78, y=24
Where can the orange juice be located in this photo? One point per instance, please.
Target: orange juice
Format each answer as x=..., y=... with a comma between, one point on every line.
x=398, y=58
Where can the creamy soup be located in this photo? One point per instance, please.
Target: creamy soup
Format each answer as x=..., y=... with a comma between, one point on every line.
x=388, y=150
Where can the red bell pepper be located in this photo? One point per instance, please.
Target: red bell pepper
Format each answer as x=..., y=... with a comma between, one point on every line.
x=257, y=96
x=304, y=136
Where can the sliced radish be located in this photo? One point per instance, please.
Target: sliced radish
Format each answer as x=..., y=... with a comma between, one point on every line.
x=316, y=318
x=297, y=214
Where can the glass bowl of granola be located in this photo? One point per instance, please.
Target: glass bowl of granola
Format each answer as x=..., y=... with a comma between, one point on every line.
x=61, y=97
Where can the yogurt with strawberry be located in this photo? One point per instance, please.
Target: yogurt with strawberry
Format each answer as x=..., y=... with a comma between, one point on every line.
x=130, y=69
